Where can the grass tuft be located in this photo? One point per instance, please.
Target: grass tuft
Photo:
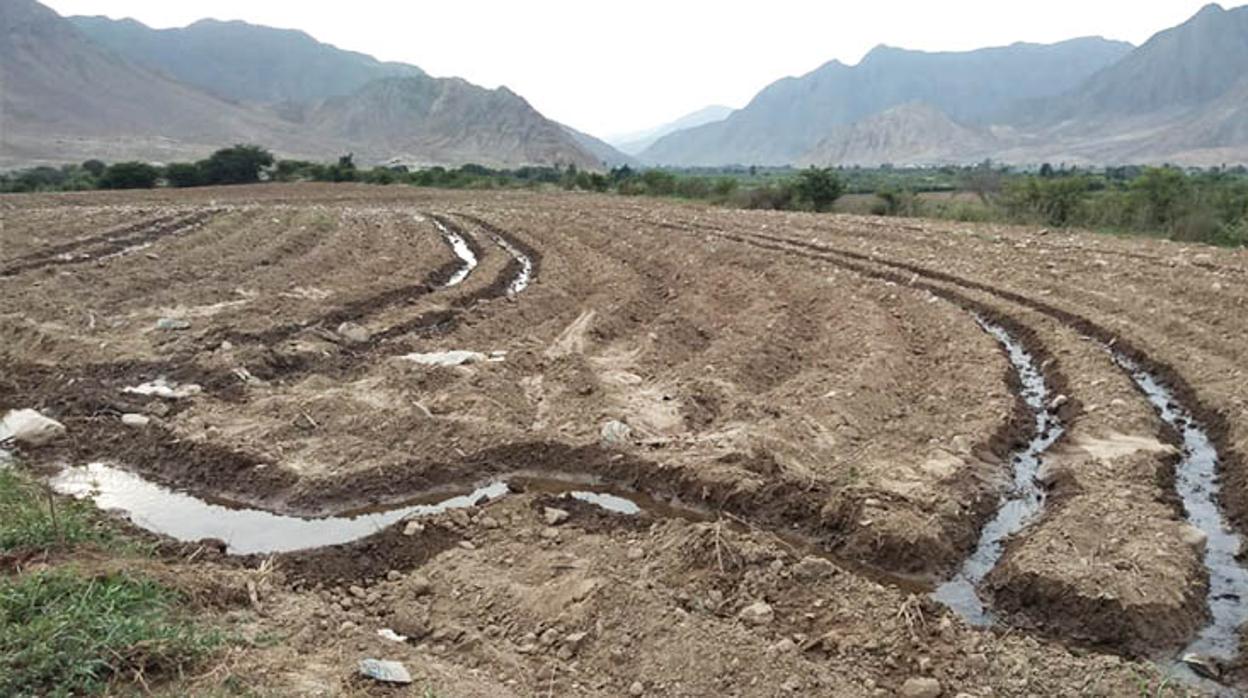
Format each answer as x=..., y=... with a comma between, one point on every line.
x=32, y=522
x=63, y=633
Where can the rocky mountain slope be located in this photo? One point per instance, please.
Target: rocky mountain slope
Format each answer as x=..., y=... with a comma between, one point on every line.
x=138, y=93
x=789, y=117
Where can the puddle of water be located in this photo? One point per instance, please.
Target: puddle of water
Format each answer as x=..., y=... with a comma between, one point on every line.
x=462, y=250
x=1025, y=501
x=249, y=531
x=245, y=531
x=1197, y=483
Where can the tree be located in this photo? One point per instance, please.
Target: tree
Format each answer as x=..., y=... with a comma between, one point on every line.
x=184, y=174
x=129, y=175
x=241, y=164
x=821, y=187
x=95, y=167
x=1161, y=194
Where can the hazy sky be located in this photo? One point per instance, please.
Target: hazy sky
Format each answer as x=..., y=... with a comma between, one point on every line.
x=615, y=67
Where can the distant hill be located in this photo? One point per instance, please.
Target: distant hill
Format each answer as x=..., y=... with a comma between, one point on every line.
x=67, y=97
x=789, y=117
x=636, y=142
x=607, y=154
x=241, y=61
x=433, y=121
x=913, y=134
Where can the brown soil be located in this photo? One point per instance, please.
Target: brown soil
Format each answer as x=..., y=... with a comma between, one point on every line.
x=814, y=385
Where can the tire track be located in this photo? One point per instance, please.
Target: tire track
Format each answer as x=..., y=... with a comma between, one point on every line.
x=129, y=239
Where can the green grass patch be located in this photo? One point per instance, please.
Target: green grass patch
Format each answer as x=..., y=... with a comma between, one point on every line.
x=32, y=522
x=64, y=634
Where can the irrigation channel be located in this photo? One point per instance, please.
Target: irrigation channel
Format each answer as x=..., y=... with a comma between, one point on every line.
x=462, y=250
x=1026, y=500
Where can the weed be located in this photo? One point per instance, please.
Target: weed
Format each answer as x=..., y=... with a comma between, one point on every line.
x=63, y=633
x=32, y=521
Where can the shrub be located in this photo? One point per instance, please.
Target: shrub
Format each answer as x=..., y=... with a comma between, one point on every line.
x=819, y=187
x=129, y=175
x=184, y=174
x=95, y=167
x=241, y=164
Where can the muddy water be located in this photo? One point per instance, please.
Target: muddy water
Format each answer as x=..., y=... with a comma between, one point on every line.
x=1025, y=501
x=1197, y=484
x=249, y=531
x=460, y=246
x=522, y=279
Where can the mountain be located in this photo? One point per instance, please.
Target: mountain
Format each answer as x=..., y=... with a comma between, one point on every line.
x=636, y=142
x=1190, y=65
x=243, y=62
x=913, y=134
x=438, y=121
x=67, y=97
x=607, y=155
x=789, y=117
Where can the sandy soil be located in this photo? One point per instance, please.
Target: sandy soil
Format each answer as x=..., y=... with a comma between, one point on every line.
x=816, y=385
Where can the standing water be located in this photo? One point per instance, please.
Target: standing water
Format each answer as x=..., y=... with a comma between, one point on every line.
x=1025, y=501
x=460, y=246
x=1197, y=485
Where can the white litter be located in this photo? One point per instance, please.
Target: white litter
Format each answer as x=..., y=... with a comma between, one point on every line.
x=446, y=358
x=388, y=634
x=166, y=389
x=29, y=427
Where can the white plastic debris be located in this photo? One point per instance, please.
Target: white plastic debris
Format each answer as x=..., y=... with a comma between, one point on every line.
x=166, y=389
x=446, y=358
x=29, y=427
x=388, y=634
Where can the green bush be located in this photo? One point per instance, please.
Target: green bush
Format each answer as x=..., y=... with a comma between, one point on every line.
x=241, y=164
x=184, y=174
x=64, y=634
x=819, y=187
x=129, y=175
x=1055, y=201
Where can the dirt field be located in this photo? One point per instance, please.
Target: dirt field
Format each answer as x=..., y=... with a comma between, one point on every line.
x=818, y=431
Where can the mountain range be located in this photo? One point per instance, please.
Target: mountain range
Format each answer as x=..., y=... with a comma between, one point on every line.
x=1178, y=98
x=93, y=87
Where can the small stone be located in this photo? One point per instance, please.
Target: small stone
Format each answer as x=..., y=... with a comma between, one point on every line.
x=413, y=527
x=550, y=533
x=394, y=576
x=783, y=647
x=575, y=640
x=353, y=333
x=1194, y=537
x=636, y=553
x=812, y=569
x=385, y=671
x=757, y=613
x=549, y=637
x=489, y=522
x=636, y=689
x=1058, y=402
x=347, y=627
x=138, y=421
x=616, y=434
x=357, y=591
x=420, y=585
x=467, y=545
x=921, y=687
x=554, y=517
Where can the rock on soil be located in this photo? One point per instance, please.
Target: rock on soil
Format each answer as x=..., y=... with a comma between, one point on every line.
x=30, y=428
x=757, y=613
x=554, y=517
x=137, y=421
x=353, y=333
x=385, y=671
x=616, y=434
x=921, y=687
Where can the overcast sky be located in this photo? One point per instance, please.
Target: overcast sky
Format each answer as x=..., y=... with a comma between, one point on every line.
x=609, y=68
